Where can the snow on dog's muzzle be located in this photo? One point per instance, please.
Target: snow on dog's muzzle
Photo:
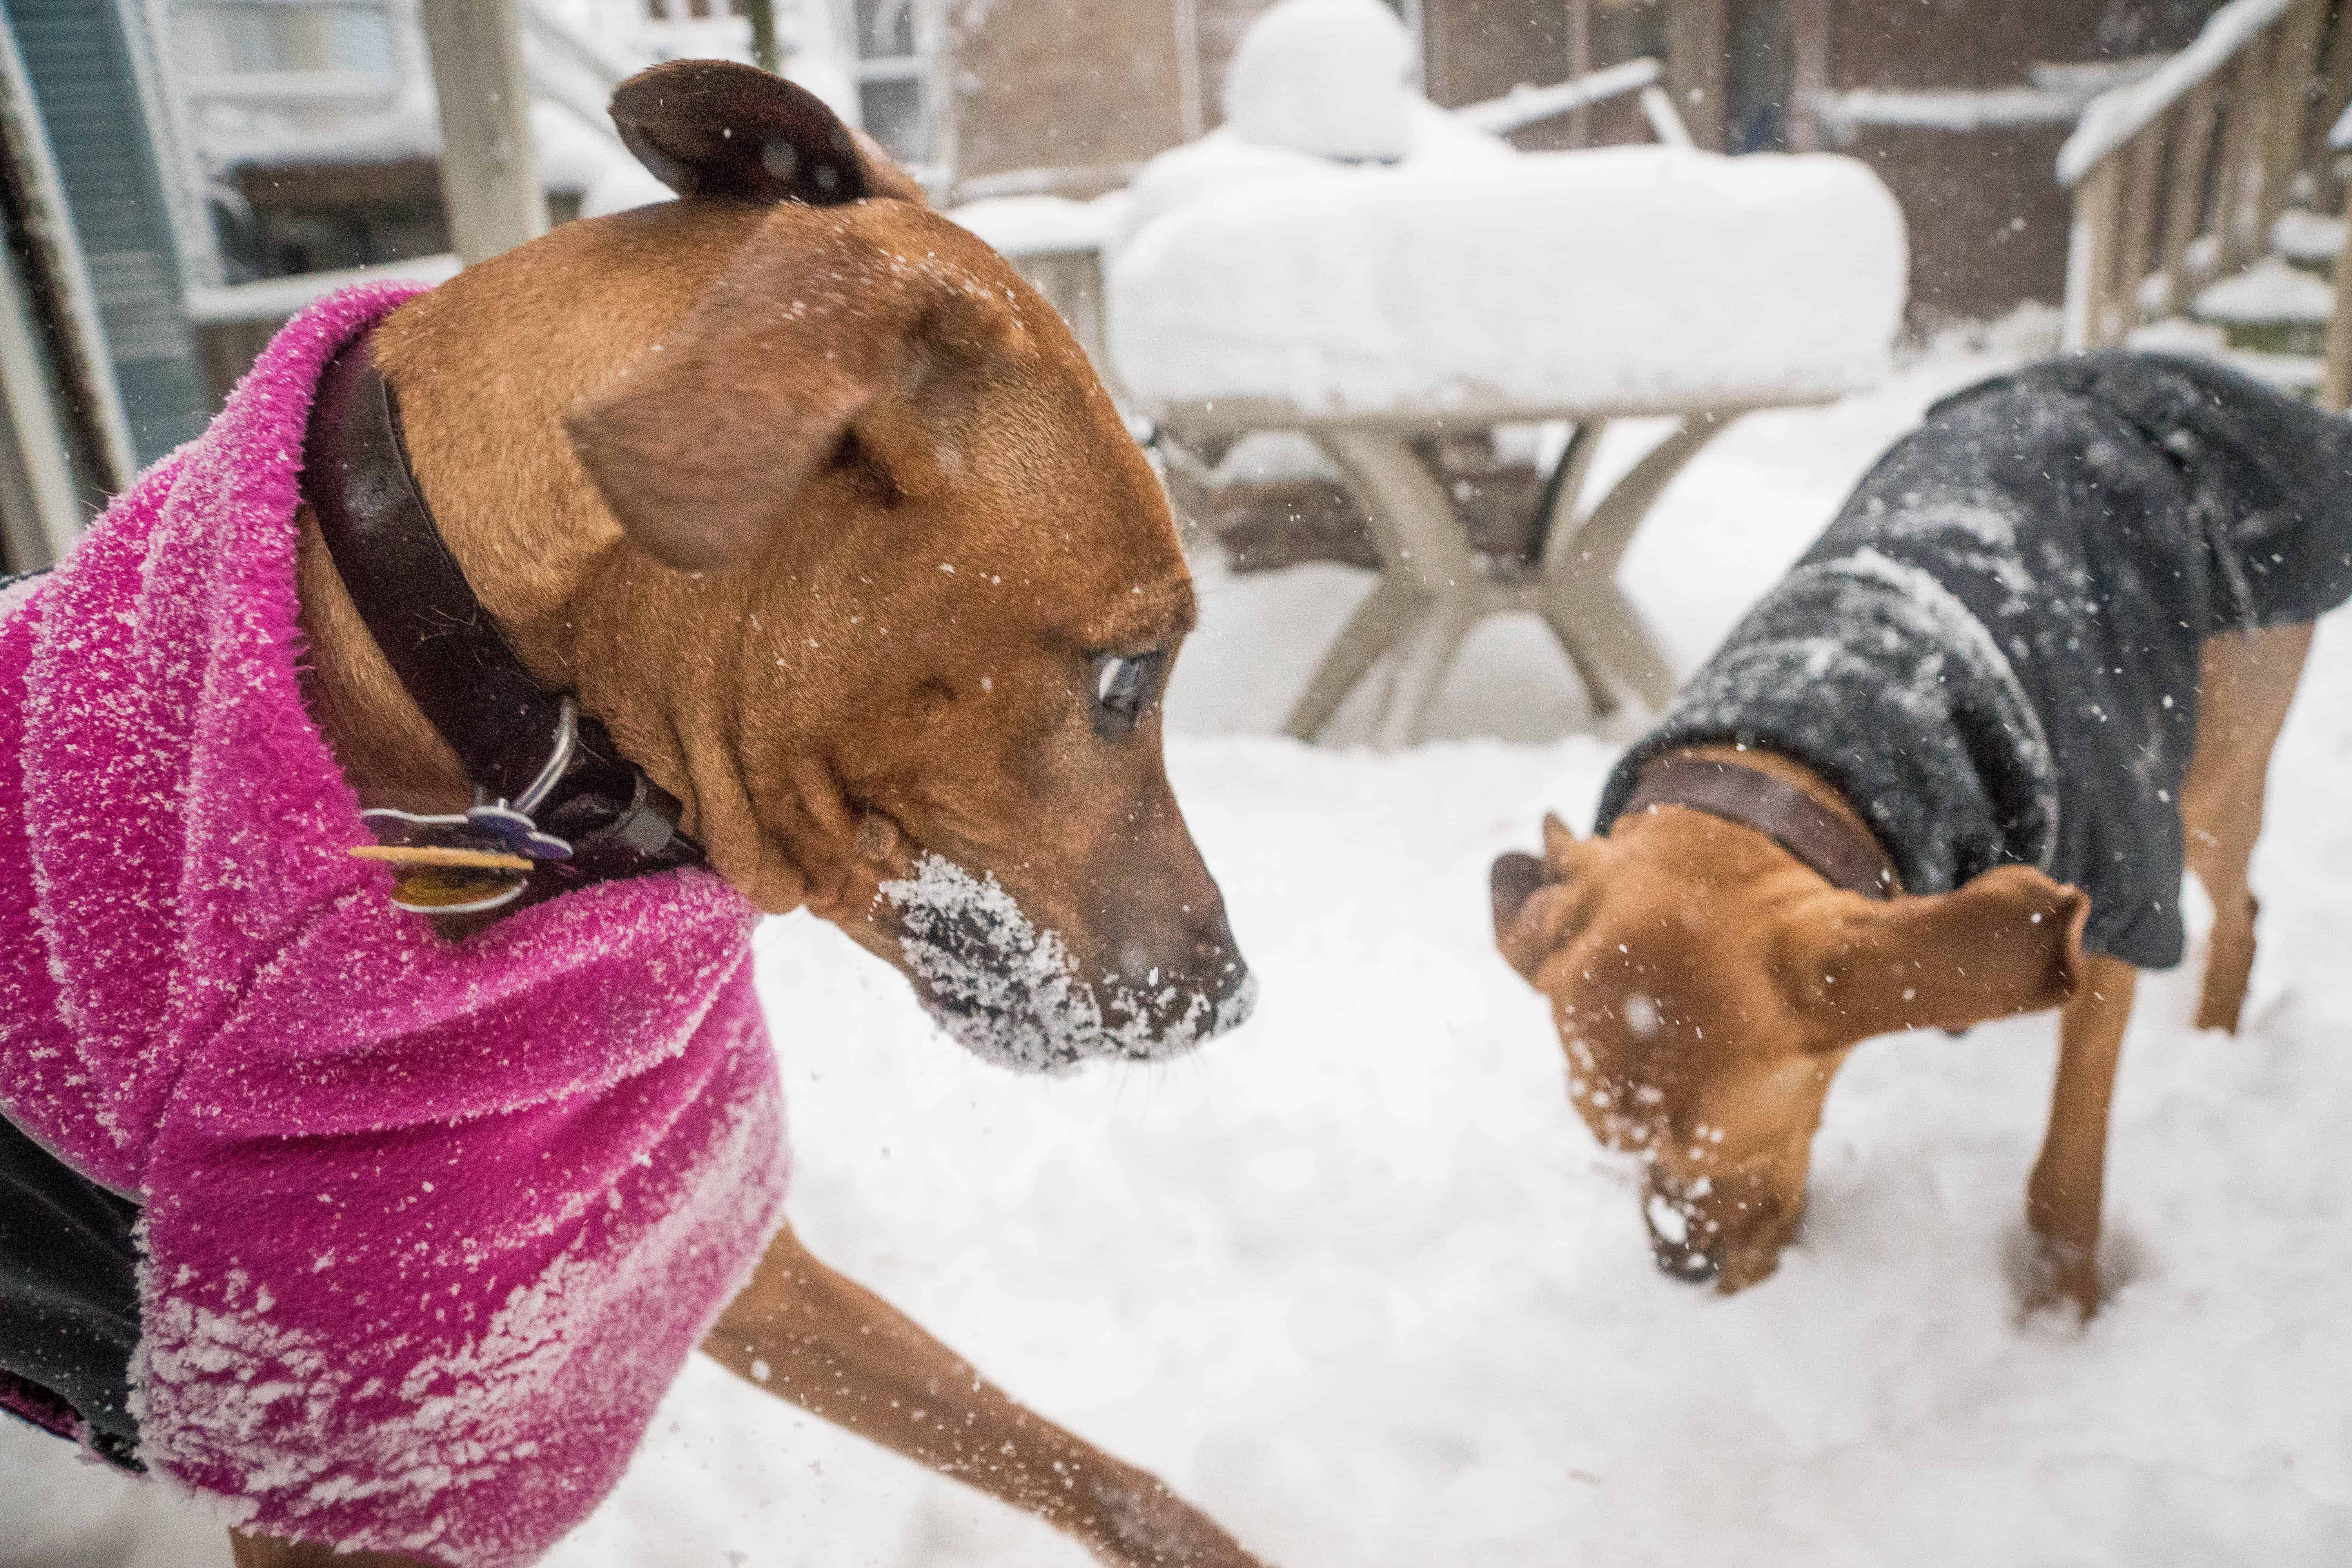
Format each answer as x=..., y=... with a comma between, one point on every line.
x=1018, y=996
x=1675, y=1228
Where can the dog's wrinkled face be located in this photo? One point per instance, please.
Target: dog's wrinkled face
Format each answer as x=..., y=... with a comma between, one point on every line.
x=1706, y=986
x=865, y=568
x=952, y=595
x=983, y=802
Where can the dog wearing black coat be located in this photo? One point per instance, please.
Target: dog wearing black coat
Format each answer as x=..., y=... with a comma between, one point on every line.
x=1952, y=767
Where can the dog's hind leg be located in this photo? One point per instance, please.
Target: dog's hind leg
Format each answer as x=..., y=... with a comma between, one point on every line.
x=2068, y=1187
x=2247, y=681
x=808, y=1335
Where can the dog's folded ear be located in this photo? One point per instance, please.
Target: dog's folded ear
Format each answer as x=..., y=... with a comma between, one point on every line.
x=2009, y=941
x=1511, y=881
x=704, y=444
x=719, y=128
x=1541, y=903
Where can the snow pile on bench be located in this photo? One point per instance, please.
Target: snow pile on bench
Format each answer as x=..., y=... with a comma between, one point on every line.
x=1626, y=279
x=1018, y=226
x=1316, y=85
x=1326, y=76
x=1224, y=160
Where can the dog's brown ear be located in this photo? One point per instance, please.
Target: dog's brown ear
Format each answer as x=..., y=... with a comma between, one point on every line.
x=1538, y=904
x=703, y=444
x=1511, y=881
x=2009, y=941
x=718, y=128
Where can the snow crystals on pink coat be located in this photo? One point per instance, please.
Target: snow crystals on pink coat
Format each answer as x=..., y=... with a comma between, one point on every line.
x=430, y=1226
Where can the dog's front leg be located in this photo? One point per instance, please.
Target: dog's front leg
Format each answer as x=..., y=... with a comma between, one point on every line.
x=835, y=1348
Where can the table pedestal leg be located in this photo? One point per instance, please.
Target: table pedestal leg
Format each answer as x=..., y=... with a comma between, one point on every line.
x=1581, y=601
x=1423, y=665
x=1433, y=583
x=1384, y=619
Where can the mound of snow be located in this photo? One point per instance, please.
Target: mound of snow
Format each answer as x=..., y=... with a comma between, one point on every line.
x=1224, y=161
x=1217, y=163
x=1315, y=86
x=1042, y=226
x=1626, y=279
x=1326, y=76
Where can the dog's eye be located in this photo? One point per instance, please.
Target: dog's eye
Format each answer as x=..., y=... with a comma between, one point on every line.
x=1123, y=689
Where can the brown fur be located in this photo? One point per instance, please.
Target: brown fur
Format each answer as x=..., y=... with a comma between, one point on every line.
x=1707, y=985
x=841, y=673
x=916, y=518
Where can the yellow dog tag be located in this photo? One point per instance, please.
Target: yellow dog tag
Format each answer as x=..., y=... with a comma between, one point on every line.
x=435, y=879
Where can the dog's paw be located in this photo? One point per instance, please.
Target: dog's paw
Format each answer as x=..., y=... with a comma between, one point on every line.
x=2057, y=1282
x=1142, y=1524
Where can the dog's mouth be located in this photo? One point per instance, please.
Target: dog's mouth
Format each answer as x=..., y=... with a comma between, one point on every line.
x=1691, y=1240
x=1684, y=1242
x=1013, y=994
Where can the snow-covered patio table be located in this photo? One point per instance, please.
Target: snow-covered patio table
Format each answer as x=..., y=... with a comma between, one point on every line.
x=1378, y=309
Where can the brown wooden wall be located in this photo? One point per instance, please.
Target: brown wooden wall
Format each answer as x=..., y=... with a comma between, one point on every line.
x=1084, y=83
x=1476, y=49
x=1955, y=43
x=1987, y=219
x=1064, y=83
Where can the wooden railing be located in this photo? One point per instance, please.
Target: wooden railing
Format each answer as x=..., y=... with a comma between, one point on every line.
x=2179, y=178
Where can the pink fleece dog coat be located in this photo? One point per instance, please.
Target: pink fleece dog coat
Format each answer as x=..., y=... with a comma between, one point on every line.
x=429, y=1225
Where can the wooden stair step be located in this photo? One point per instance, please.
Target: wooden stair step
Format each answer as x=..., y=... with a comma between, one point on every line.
x=2273, y=307
x=2297, y=374
x=2309, y=240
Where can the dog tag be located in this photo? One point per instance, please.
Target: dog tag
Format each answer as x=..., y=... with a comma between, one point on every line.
x=437, y=880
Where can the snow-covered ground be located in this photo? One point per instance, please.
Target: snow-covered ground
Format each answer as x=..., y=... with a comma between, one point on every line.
x=1357, y=1281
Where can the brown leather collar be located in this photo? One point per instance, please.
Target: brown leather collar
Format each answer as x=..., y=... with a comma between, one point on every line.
x=1844, y=856
x=507, y=727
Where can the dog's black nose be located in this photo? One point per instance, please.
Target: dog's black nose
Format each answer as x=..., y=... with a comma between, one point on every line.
x=1512, y=883
x=1684, y=1264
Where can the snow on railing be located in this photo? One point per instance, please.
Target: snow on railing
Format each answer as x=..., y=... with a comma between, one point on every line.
x=2114, y=117
x=276, y=298
x=1951, y=109
x=1665, y=119
x=1525, y=105
x=2181, y=181
x=2057, y=95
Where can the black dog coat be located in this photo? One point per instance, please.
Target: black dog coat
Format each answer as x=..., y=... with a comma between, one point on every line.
x=1993, y=651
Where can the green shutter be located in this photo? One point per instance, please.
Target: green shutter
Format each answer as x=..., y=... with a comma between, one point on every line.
x=79, y=61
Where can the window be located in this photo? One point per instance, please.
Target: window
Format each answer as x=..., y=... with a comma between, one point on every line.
x=890, y=72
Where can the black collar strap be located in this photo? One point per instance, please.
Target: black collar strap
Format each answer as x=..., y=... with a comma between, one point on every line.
x=550, y=784
x=1842, y=854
